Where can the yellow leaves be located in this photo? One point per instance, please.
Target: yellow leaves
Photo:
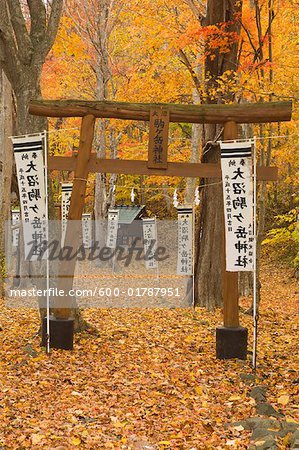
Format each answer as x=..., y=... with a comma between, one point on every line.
x=164, y=443
x=234, y=398
x=192, y=376
x=36, y=438
x=40, y=357
x=76, y=441
x=119, y=424
x=203, y=396
x=199, y=390
x=287, y=440
x=283, y=399
x=291, y=420
x=156, y=387
x=179, y=435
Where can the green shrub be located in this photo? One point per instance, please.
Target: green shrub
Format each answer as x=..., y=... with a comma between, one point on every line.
x=282, y=241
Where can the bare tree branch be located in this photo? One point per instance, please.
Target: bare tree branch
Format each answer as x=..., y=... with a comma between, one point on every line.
x=249, y=37
x=199, y=11
x=20, y=30
x=38, y=17
x=8, y=47
x=195, y=79
x=52, y=27
x=259, y=28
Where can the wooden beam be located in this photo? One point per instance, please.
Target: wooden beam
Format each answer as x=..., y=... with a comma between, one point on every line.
x=230, y=279
x=135, y=167
x=73, y=228
x=239, y=113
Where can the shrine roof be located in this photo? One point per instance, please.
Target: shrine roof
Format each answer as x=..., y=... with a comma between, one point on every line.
x=127, y=214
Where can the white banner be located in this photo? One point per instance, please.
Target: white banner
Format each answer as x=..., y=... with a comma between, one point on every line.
x=236, y=165
x=112, y=228
x=86, y=230
x=66, y=193
x=28, y=153
x=185, y=241
x=15, y=220
x=149, y=227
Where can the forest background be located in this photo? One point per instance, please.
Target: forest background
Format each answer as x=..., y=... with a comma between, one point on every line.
x=142, y=51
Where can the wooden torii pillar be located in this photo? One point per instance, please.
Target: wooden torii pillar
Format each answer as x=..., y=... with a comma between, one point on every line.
x=231, y=340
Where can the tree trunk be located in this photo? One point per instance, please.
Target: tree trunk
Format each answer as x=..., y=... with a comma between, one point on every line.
x=103, y=199
x=195, y=155
x=100, y=201
x=209, y=267
x=196, y=141
x=245, y=283
x=6, y=163
x=114, y=141
x=25, y=41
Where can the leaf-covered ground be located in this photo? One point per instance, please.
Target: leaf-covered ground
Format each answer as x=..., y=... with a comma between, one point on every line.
x=148, y=379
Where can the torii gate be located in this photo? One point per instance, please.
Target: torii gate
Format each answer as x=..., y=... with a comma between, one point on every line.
x=231, y=339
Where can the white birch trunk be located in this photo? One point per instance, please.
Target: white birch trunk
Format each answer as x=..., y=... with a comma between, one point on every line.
x=6, y=163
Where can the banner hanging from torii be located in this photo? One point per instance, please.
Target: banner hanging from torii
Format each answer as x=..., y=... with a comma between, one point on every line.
x=28, y=153
x=236, y=165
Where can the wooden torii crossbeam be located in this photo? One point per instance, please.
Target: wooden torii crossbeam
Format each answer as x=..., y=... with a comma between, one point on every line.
x=232, y=343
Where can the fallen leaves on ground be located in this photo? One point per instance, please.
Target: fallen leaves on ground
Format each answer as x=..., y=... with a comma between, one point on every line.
x=148, y=379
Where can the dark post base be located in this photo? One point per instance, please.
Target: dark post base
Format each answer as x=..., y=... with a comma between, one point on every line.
x=61, y=333
x=231, y=343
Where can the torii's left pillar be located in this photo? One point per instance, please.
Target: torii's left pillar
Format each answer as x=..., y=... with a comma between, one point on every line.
x=62, y=322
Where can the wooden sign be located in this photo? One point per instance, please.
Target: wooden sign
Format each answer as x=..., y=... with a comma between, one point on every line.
x=158, y=138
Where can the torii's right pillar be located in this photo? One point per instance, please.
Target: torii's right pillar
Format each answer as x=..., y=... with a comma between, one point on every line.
x=231, y=338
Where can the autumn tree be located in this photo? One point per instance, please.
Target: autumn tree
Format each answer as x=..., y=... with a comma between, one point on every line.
x=94, y=21
x=260, y=62
x=190, y=51
x=27, y=33
x=206, y=43
x=218, y=31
